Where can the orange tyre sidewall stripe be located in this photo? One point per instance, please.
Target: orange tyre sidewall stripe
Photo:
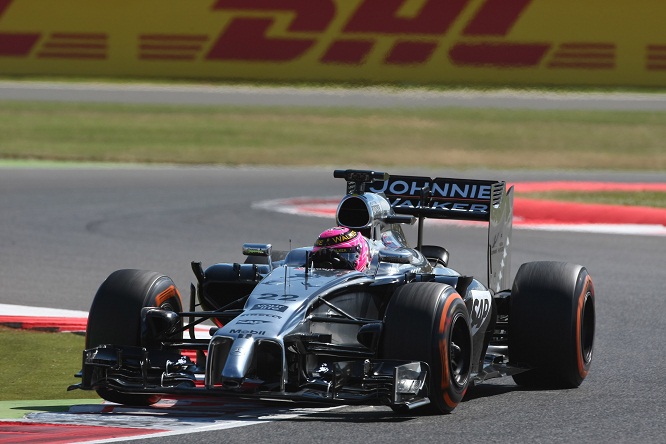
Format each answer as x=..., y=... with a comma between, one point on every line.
x=170, y=292
x=444, y=326
x=582, y=371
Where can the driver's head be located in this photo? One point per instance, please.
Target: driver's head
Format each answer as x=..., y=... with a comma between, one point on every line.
x=347, y=243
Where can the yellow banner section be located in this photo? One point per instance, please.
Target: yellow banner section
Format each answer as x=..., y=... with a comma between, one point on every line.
x=519, y=42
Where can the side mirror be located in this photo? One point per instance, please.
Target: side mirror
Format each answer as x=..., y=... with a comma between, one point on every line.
x=399, y=256
x=263, y=250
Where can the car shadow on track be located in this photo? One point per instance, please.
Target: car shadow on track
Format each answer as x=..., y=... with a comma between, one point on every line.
x=488, y=390
x=198, y=412
x=42, y=408
x=364, y=414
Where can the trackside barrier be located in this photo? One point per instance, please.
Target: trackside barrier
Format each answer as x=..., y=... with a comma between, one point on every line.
x=521, y=42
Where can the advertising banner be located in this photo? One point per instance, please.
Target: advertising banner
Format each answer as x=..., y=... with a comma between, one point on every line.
x=460, y=42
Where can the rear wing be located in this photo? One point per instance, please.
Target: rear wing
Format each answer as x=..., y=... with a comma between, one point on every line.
x=460, y=199
x=448, y=198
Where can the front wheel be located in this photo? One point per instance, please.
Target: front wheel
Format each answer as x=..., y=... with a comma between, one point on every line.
x=429, y=322
x=115, y=316
x=551, y=324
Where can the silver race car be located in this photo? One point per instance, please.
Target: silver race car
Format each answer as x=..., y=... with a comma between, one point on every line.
x=360, y=317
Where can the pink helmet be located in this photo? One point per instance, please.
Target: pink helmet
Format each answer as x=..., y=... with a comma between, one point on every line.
x=347, y=243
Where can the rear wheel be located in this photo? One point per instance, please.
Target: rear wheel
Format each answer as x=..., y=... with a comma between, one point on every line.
x=115, y=316
x=428, y=321
x=552, y=324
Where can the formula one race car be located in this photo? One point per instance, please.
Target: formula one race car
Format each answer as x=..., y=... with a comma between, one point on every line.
x=359, y=318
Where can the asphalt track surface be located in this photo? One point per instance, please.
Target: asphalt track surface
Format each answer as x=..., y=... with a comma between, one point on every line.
x=239, y=95
x=62, y=231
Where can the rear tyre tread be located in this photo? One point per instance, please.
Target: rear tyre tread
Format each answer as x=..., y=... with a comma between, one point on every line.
x=551, y=324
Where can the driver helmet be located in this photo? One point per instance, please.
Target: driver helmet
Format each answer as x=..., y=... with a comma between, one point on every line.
x=349, y=244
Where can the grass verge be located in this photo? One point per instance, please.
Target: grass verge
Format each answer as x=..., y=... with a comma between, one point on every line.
x=446, y=138
x=42, y=365
x=643, y=198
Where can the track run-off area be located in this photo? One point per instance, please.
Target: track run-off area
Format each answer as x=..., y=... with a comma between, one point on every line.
x=538, y=214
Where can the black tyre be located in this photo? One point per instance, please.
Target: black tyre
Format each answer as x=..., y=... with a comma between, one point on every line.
x=428, y=321
x=115, y=316
x=551, y=324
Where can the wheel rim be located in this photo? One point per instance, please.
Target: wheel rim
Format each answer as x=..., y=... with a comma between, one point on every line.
x=459, y=351
x=587, y=329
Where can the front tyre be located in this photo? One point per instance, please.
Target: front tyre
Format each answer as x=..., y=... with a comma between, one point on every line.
x=552, y=324
x=115, y=316
x=429, y=322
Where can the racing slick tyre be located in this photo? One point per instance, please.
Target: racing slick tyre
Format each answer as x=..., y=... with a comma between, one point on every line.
x=115, y=316
x=551, y=324
x=429, y=322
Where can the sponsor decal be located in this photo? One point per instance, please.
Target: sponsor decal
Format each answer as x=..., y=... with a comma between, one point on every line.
x=270, y=307
x=446, y=206
x=75, y=46
x=394, y=40
x=337, y=239
x=582, y=55
x=247, y=332
x=245, y=37
x=274, y=316
x=4, y=4
x=440, y=188
x=406, y=32
x=446, y=194
x=251, y=322
x=180, y=47
x=655, y=58
x=15, y=44
x=481, y=303
x=419, y=25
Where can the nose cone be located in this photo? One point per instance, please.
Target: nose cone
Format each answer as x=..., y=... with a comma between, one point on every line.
x=238, y=362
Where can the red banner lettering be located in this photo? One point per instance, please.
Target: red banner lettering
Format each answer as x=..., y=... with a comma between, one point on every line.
x=381, y=16
x=350, y=52
x=245, y=38
x=410, y=53
x=15, y=44
x=310, y=15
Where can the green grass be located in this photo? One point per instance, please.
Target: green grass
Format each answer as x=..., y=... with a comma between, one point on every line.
x=643, y=198
x=40, y=365
x=437, y=138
